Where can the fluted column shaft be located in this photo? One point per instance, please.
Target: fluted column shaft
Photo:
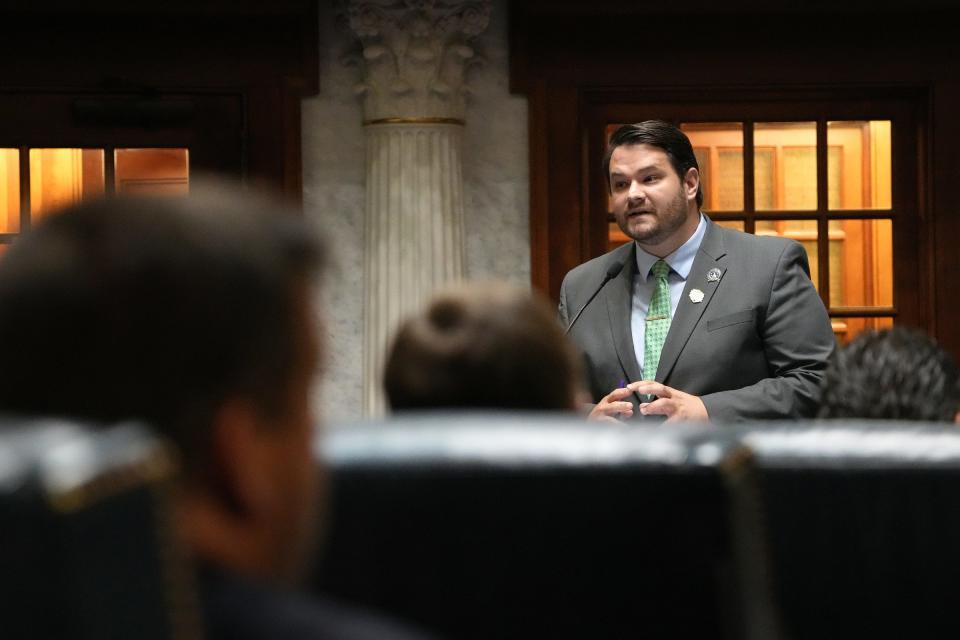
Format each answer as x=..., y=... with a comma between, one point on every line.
x=414, y=55
x=414, y=231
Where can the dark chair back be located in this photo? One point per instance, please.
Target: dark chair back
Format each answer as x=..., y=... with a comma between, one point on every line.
x=523, y=527
x=86, y=547
x=862, y=527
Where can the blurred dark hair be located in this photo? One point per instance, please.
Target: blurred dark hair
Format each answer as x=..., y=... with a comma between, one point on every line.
x=483, y=346
x=897, y=374
x=662, y=135
x=156, y=309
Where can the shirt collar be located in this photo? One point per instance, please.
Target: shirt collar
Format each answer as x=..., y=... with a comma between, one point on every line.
x=681, y=260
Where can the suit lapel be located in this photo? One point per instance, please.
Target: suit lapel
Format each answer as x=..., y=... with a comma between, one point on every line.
x=688, y=313
x=619, y=298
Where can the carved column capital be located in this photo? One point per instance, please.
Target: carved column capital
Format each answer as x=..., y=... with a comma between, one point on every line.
x=414, y=55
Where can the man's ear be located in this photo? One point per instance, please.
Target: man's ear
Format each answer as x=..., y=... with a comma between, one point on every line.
x=956, y=418
x=691, y=182
x=241, y=459
x=223, y=508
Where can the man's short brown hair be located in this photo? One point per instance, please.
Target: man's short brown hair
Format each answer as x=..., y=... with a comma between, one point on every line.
x=483, y=346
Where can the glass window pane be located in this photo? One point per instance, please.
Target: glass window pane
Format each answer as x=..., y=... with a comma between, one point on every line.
x=9, y=190
x=803, y=231
x=61, y=177
x=152, y=171
x=719, y=151
x=764, y=178
x=859, y=164
x=785, y=166
x=861, y=263
x=846, y=329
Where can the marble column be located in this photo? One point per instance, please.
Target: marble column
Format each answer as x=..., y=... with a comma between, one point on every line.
x=413, y=56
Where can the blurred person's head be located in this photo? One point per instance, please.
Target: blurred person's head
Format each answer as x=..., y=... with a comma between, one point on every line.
x=483, y=346
x=195, y=316
x=896, y=374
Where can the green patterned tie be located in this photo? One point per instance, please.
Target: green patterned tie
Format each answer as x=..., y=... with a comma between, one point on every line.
x=658, y=320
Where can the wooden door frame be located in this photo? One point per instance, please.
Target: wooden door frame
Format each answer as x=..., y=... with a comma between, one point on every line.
x=901, y=105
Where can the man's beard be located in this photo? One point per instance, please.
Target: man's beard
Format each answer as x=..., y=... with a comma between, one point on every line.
x=669, y=220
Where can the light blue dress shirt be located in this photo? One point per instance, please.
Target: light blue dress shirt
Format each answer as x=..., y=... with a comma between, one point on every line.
x=680, y=262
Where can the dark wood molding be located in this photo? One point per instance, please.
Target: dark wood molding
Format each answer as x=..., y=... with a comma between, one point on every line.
x=262, y=57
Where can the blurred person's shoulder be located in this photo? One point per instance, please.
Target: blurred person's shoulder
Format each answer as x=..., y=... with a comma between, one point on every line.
x=237, y=608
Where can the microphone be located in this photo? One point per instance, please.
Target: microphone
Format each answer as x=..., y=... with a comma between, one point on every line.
x=612, y=272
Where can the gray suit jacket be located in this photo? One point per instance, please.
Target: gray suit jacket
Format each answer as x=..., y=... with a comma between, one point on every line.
x=754, y=348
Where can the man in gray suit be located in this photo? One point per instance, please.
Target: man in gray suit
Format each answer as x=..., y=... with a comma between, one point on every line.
x=700, y=322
